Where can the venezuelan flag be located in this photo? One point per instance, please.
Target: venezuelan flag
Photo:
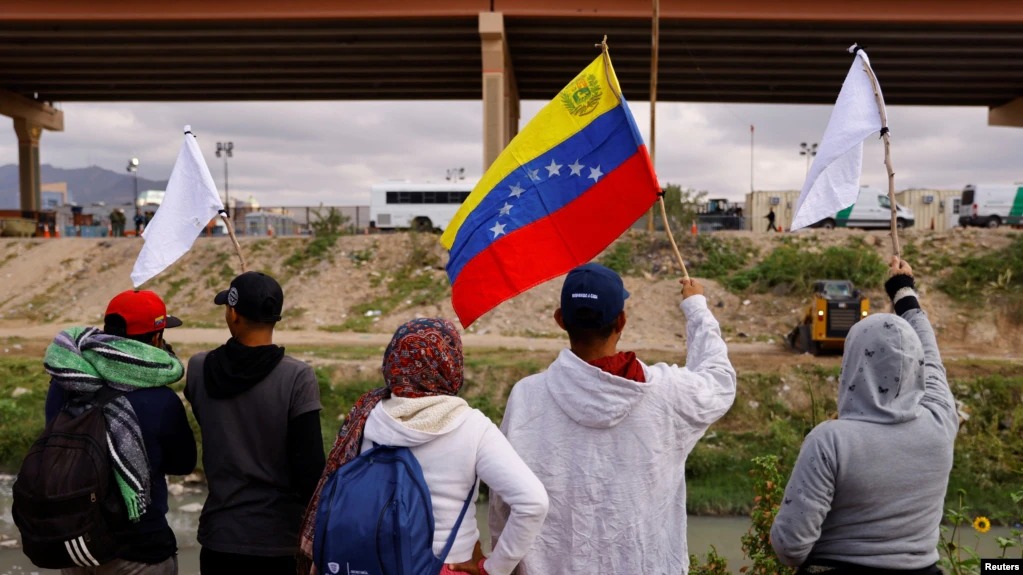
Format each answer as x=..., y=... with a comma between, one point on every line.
x=567, y=185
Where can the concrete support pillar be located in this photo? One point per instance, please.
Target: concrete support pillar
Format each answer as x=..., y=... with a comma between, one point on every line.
x=1010, y=114
x=28, y=163
x=500, y=92
x=30, y=119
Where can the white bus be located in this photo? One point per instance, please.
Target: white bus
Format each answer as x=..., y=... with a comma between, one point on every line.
x=421, y=207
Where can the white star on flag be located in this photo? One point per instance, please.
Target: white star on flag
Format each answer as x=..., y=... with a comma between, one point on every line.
x=516, y=191
x=577, y=169
x=534, y=175
x=506, y=209
x=554, y=169
x=498, y=229
x=595, y=173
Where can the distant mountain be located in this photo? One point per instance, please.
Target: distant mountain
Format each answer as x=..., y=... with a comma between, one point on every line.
x=85, y=185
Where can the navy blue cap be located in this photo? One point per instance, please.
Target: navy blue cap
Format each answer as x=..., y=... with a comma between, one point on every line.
x=596, y=288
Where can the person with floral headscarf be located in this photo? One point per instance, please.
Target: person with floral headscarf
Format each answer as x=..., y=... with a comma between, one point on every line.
x=419, y=408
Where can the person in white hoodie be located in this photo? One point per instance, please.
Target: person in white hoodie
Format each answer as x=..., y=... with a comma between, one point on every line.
x=609, y=435
x=453, y=443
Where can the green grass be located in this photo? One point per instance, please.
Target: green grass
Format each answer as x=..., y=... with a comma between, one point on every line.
x=720, y=257
x=995, y=277
x=21, y=417
x=312, y=251
x=620, y=257
x=771, y=415
x=415, y=282
x=793, y=268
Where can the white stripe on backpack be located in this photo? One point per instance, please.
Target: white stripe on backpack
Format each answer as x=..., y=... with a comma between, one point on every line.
x=85, y=550
x=74, y=556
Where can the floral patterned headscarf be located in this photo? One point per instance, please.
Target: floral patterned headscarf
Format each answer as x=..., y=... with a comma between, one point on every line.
x=424, y=358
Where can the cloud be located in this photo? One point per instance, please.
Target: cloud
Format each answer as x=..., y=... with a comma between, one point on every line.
x=307, y=153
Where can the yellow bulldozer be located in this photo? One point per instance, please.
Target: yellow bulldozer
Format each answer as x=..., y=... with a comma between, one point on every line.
x=836, y=305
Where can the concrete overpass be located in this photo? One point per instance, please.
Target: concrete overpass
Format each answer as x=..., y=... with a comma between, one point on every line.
x=925, y=52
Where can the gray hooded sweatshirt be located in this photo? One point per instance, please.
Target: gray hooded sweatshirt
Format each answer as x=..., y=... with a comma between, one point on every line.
x=869, y=487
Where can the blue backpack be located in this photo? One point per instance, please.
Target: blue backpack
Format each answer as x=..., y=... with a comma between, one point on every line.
x=375, y=517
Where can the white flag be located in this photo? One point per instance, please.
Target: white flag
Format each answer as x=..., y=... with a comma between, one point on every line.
x=834, y=178
x=188, y=206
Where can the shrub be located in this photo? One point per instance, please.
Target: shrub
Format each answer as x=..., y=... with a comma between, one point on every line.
x=794, y=269
x=720, y=257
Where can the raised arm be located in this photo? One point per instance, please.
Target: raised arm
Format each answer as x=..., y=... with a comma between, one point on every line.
x=938, y=397
x=707, y=383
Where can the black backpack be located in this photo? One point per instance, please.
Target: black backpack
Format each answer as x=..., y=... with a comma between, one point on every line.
x=66, y=501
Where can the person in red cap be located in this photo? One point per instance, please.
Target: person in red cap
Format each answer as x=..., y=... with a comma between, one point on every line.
x=259, y=411
x=149, y=432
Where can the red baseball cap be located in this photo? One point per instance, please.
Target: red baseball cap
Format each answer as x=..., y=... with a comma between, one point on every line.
x=142, y=310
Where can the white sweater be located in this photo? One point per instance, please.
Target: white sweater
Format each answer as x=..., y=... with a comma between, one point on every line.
x=453, y=444
x=612, y=452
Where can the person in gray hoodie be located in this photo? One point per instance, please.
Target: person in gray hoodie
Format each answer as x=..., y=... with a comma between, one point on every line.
x=868, y=489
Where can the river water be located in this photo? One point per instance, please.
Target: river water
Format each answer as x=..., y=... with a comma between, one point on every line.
x=722, y=532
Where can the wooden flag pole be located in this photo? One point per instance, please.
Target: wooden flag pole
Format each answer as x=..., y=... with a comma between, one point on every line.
x=664, y=214
x=655, y=28
x=896, y=250
x=234, y=240
x=671, y=238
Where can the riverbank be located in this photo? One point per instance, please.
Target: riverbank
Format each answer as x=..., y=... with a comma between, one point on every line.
x=780, y=397
x=723, y=533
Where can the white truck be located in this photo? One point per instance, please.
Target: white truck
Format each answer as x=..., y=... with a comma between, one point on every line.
x=991, y=206
x=871, y=210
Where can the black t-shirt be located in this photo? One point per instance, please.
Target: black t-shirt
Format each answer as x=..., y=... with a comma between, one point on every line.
x=253, y=507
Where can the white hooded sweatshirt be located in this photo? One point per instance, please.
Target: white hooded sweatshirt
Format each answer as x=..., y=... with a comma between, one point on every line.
x=612, y=452
x=454, y=444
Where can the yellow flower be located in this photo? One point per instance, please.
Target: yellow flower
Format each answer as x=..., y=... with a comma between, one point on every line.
x=982, y=524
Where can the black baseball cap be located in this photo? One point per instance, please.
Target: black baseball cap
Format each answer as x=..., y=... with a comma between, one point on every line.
x=595, y=288
x=255, y=295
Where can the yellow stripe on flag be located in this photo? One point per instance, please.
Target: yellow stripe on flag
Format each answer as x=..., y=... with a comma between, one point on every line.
x=569, y=112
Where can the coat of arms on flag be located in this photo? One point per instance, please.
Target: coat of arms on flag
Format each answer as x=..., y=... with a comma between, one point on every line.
x=571, y=181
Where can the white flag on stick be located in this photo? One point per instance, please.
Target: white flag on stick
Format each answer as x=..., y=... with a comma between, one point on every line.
x=834, y=178
x=188, y=206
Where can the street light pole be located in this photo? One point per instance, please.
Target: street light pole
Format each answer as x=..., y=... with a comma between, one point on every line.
x=809, y=151
x=226, y=148
x=133, y=168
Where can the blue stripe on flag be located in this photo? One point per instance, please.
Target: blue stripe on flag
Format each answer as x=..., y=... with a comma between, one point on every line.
x=540, y=187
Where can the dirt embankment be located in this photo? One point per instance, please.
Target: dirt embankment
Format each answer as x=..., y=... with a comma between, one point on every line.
x=48, y=284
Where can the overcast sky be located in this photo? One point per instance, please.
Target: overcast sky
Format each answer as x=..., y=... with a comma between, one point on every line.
x=307, y=153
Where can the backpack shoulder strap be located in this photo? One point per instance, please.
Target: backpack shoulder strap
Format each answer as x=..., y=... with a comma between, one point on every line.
x=105, y=395
x=458, y=523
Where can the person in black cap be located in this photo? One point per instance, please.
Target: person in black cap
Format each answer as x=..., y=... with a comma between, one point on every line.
x=262, y=446
x=608, y=435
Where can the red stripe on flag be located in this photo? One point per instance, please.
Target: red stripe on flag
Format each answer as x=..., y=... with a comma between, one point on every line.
x=549, y=247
